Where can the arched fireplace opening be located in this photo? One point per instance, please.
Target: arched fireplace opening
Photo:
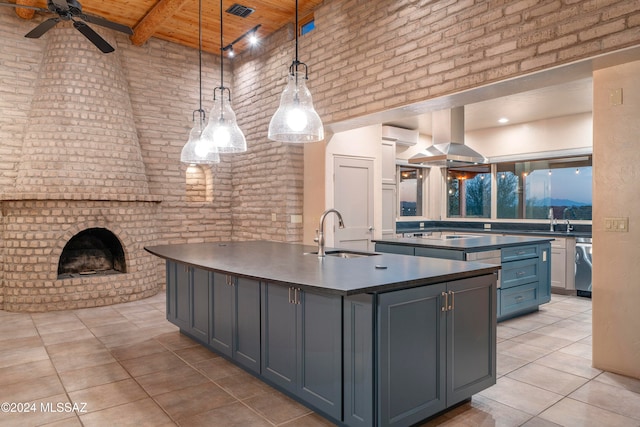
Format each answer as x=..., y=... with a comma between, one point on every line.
x=90, y=252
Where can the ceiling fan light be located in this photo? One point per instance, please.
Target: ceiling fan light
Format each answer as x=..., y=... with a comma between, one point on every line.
x=295, y=120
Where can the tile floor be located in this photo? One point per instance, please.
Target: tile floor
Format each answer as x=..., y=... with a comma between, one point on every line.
x=126, y=365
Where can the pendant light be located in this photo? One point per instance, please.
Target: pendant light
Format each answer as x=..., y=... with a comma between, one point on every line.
x=198, y=150
x=296, y=120
x=222, y=131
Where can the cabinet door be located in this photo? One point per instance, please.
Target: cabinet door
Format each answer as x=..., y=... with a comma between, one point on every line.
x=246, y=340
x=471, y=337
x=558, y=271
x=199, y=320
x=412, y=347
x=320, y=351
x=395, y=249
x=221, y=333
x=178, y=305
x=279, y=336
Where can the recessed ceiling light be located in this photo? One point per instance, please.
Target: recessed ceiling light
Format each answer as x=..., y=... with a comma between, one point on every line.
x=503, y=120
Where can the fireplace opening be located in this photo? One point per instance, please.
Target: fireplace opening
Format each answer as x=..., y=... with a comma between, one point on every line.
x=90, y=252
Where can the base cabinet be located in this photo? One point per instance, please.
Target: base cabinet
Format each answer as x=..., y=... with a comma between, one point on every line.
x=378, y=359
x=436, y=348
x=302, y=345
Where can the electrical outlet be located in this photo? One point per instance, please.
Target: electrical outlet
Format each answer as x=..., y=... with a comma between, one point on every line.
x=487, y=226
x=422, y=225
x=274, y=217
x=296, y=219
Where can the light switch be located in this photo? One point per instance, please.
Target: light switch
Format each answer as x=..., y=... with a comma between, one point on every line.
x=620, y=225
x=615, y=96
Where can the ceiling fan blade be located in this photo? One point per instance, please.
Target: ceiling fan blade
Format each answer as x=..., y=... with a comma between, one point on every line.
x=93, y=37
x=105, y=23
x=22, y=6
x=42, y=28
x=60, y=4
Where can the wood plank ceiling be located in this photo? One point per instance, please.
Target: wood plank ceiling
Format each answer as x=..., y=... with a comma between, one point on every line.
x=177, y=20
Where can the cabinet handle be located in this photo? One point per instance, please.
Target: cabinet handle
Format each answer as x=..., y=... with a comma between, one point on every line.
x=445, y=307
x=521, y=252
x=519, y=299
x=520, y=273
x=296, y=295
x=290, y=299
x=452, y=300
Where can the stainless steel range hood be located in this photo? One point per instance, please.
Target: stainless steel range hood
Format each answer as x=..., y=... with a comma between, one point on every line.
x=448, y=147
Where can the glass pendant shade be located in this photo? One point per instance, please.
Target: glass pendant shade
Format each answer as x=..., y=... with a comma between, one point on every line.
x=198, y=150
x=222, y=131
x=296, y=120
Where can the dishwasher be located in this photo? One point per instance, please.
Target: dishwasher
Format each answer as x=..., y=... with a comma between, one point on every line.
x=493, y=257
x=584, y=262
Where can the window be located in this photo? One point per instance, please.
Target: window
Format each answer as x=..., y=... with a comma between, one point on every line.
x=469, y=191
x=527, y=190
x=307, y=26
x=411, y=191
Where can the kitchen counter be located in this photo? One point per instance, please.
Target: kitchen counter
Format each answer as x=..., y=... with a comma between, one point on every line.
x=359, y=344
x=465, y=243
x=294, y=265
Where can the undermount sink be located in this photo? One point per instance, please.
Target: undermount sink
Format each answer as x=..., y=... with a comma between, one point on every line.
x=340, y=253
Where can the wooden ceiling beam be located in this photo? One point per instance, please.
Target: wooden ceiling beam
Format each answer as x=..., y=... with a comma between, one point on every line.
x=162, y=11
x=25, y=13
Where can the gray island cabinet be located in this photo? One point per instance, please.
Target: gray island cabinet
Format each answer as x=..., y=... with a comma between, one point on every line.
x=525, y=277
x=379, y=340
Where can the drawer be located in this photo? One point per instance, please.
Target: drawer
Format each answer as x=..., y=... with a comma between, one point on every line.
x=395, y=249
x=518, y=298
x=517, y=273
x=559, y=242
x=520, y=252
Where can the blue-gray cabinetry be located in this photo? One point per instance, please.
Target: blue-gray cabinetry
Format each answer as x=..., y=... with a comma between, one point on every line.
x=235, y=319
x=187, y=299
x=302, y=345
x=436, y=347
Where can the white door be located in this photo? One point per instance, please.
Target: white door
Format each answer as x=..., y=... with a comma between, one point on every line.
x=353, y=198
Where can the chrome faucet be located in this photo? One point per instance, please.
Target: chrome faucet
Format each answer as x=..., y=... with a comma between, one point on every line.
x=564, y=215
x=320, y=231
x=552, y=220
x=569, y=226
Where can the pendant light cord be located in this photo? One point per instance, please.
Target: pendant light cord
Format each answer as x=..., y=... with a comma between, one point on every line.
x=201, y=111
x=221, y=54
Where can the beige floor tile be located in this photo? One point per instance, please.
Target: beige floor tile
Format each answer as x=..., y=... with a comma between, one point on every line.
x=562, y=332
x=506, y=332
x=569, y=412
x=193, y=400
x=540, y=422
x=551, y=310
x=611, y=398
x=61, y=326
x=243, y=385
x=73, y=421
x=578, y=349
x=506, y=364
x=521, y=350
x=109, y=395
x=543, y=341
x=480, y=412
x=547, y=378
x=64, y=337
x=585, y=317
x=20, y=343
x=524, y=323
x=81, y=347
x=152, y=363
x=132, y=351
x=135, y=414
x=124, y=337
x=568, y=363
x=175, y=341
x=232, y=415
x=311, y=420
x=33, y=389
x=217, y=368
x=79, y=379
x=522, y=396
x=571, y=305
x=193, y=355
x=21, y=356
x=627, y=383
x=170, y=380
x=70, y=362
x=112, y=328
x=276, y=407
x=26, y=372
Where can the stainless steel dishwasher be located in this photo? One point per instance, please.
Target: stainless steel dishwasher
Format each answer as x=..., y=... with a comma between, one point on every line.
x=493, y=257
x=584, y=262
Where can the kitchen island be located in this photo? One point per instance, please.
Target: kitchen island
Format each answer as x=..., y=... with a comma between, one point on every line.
x=525, y=277
x=362, y=339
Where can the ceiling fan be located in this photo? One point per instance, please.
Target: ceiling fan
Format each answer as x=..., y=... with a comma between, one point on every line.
x=71, y=10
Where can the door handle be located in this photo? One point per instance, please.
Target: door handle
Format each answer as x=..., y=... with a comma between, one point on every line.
x=371, y=228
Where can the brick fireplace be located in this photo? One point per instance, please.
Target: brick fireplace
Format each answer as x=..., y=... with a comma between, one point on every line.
x=80, y=170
